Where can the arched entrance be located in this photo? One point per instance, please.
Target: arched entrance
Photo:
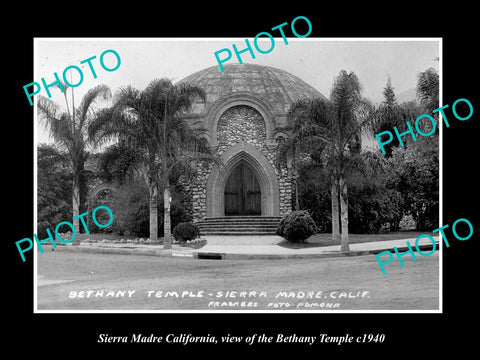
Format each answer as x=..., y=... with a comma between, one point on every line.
x=242, y=192
x=243, y=157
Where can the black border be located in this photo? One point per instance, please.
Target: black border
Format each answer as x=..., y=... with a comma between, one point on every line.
x=405, y=333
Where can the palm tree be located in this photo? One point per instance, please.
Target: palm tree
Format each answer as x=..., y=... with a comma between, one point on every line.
x=150, y=120
x=329, y=130
x=69, y=131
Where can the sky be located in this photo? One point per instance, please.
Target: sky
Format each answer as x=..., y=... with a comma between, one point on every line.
x=317, y=61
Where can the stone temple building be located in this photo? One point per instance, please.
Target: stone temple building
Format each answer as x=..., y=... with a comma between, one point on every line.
x=243, y=120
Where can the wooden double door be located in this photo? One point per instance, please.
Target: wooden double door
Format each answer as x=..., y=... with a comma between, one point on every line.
x=242, y=192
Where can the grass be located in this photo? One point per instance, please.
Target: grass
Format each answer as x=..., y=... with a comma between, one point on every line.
x=318, y=240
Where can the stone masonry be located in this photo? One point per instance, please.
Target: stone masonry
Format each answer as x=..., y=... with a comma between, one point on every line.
x=236, y=124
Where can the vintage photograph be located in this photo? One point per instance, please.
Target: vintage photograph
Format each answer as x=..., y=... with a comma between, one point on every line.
x=171, y=177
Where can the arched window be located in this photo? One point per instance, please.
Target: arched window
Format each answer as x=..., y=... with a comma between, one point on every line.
x=104, y=196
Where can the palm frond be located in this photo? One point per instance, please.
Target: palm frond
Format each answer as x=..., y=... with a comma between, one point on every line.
x=47, y=109
x=108, y=125
x=365, y=116
x=185, y=95
x=100, y=92
x=57, y=123
x=367, y=163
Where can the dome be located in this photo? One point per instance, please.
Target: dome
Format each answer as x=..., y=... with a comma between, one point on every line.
x=275, y=87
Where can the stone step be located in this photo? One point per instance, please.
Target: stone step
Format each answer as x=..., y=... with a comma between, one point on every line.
x=233, y=227
x=240, y=221
x=237, y=232
x=240, y=226
x=232, y=230
x=252, y=217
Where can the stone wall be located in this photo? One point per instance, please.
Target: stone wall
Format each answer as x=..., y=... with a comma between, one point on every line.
x=239, y=123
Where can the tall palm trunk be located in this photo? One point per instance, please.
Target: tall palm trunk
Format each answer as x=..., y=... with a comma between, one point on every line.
x=167, y=240
x=153, y=212
x=335, y=209
x=344, y=246
x=167, y=227
x=295, y=180
x=76, y=206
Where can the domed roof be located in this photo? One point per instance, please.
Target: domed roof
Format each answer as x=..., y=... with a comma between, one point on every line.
x=276, y=87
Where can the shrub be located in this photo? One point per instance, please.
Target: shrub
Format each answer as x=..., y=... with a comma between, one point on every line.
x=54, y=186
x=130, y=204
x=185, y=231
x=281, y=226
x=131, y=208
x=314, y=196
x=373, y=208
x=415, y=173
x=297, y=226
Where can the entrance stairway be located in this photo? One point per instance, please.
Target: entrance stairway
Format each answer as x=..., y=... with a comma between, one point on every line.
x=239, y=225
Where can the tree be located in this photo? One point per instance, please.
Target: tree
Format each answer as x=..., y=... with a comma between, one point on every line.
x=428, y=87
x=54, y=179
x=130, y=201
x=69, y=131
x=150, y=121
x=414, y=173
x=314, y=194
x=329, y=130
x=373, y=206
x=390, y=114
x=413, y=169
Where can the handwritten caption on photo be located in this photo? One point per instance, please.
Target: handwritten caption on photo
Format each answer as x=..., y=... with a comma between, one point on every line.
x=233, y=299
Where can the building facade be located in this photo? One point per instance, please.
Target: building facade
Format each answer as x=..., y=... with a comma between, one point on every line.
x=243, y=120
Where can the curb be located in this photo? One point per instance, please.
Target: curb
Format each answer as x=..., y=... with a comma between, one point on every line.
x=198, y=254
x=233, y=256
x=326, y=254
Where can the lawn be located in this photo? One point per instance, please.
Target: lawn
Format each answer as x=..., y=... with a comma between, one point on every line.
x=326, y=239
x=313, y=241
